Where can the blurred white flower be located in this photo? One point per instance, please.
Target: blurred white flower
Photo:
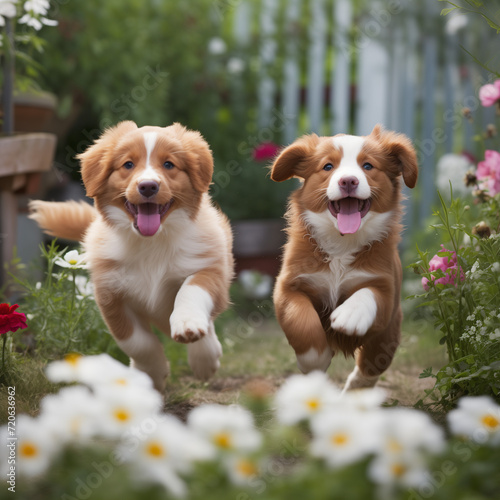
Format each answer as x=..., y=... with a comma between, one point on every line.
x=72, y=260
x=7, y=9
x=242, y=470
x=227, y=428
x=455, y=22
x=235, y=65
x=217, y=46
x=406, y=469
x=84, y=286
x=363, y=399
x=99, y=371
x=477, y=418
x=304, y=396
x=452, y=168
x=72, y=415
x=256, y=285
x=409, y=431
x=36, y=10
x=344, y=437
x=36, y=447
x=66, y=370
x=169, y=450
x=122, y=409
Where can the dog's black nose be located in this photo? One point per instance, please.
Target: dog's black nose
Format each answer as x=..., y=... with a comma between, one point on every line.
x=148, y=188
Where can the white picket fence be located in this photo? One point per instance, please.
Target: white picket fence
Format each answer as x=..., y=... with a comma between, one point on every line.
x=395, y=62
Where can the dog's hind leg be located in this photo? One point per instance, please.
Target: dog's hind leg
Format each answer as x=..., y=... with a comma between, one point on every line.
x=375, y=356
x=204, y=354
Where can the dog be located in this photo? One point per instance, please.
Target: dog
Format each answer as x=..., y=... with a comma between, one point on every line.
x=339, y=285
x=158, y=251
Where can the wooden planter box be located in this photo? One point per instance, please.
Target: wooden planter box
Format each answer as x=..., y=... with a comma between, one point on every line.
x=23, y=158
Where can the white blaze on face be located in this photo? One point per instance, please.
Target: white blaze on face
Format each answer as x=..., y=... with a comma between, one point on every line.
x=348, y=186
x=351, y=146
x=149, y=173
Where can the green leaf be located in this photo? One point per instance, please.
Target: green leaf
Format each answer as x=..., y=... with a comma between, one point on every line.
x=427, y=373
x=445, y=12
x=442, y=340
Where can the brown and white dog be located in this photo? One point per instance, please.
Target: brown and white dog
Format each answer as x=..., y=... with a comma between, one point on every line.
x=158, y=251
x=339, y=286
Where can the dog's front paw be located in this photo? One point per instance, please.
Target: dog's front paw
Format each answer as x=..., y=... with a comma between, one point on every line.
x=356, y=315
x=188, y=329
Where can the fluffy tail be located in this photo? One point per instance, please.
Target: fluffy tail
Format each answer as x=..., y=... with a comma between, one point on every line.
x=68, y=220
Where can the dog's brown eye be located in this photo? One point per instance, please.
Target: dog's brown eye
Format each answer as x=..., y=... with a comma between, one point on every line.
x=328, y=167
x=168, y=165
x=128, y=165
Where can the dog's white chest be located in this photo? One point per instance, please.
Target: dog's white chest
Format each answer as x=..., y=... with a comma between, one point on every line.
x=338, y=279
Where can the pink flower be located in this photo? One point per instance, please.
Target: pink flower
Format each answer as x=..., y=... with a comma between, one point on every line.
x=488, y=171
x=11, y=321
x=489, y=94
x=446, y=264
x=265, y=151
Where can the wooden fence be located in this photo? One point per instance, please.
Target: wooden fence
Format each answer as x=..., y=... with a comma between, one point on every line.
x=332, y=66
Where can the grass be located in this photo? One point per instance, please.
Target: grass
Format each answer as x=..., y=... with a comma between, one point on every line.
x=265, y=355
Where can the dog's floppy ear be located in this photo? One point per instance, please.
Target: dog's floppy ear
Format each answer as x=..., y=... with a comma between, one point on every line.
x=96, y=159
x=293, y=160
x=200, y=159
x=401, y=150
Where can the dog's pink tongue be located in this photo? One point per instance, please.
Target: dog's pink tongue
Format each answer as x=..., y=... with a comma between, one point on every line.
x=148, y=218
x=349, y=216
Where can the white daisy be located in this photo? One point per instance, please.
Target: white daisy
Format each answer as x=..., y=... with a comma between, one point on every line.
x=125, y=408
x=170, y=449
x=341, y=438
x=227, y=428
x=304, y=396
x=71, y=259
x=407, y=431
x=96, y=371
x=407, y=469
x=242, y=470
x=102, y=370
x=66, y=370
x=477, y=418
x=36, y=447
x=72, y=415
x=363, y=399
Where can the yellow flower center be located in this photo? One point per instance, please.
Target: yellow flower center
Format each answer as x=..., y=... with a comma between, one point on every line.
x=394, y=446
x=122, y=415
x=121, y=381
x=28, y=450
x=223, y=440
x=490, y=421
x=340, y=439
x=398, y=470
x=73, y=262
x=246, y=468
x=155, y=449
x=72, y=358
x=313, y=404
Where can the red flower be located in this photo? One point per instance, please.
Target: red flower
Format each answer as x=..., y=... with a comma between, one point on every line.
x=10, y=320
x=266, y=151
